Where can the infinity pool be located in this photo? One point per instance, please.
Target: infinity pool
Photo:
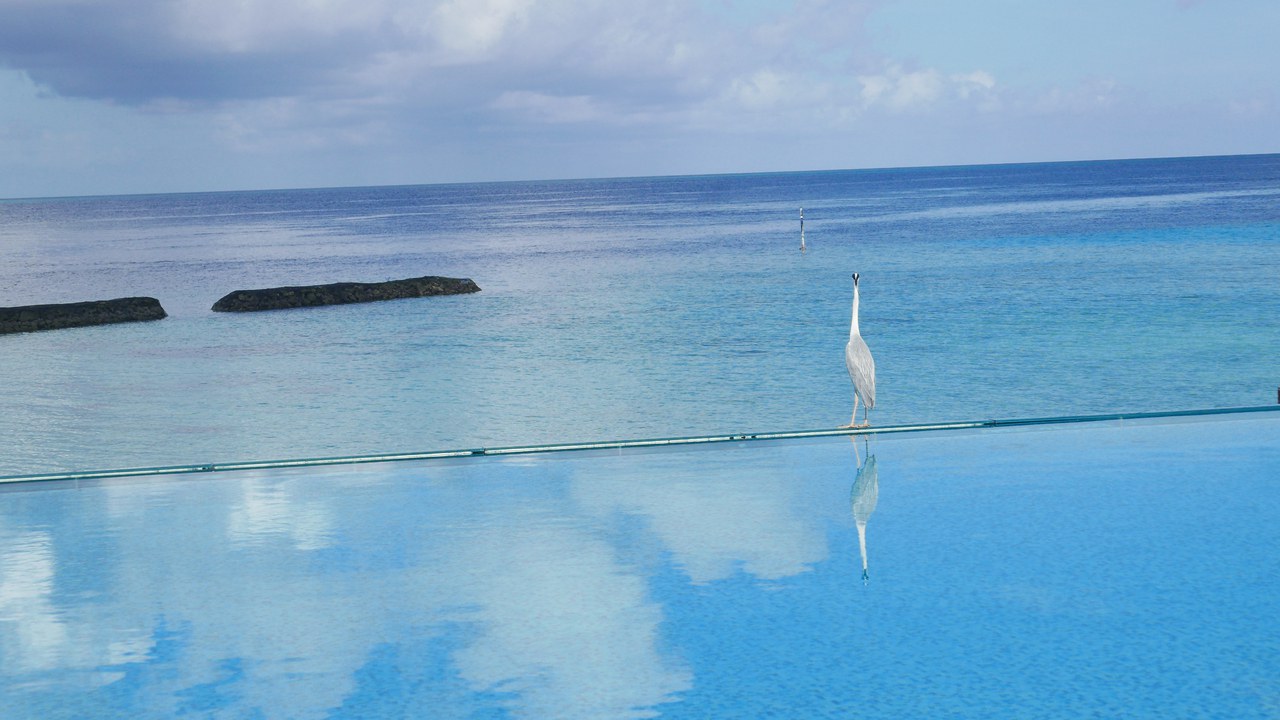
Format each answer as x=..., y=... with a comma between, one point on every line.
x=1103, y=569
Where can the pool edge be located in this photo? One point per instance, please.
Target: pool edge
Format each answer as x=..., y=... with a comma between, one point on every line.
x=619, y=444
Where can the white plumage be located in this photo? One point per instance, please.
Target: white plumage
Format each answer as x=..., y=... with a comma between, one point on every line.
x=862, y=368
x=866, y=490
x=801, y=229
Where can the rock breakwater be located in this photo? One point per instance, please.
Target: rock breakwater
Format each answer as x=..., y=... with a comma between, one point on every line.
x=281, y=298
x=30, y=318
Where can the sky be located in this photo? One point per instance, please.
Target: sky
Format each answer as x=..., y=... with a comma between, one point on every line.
x=141, y=96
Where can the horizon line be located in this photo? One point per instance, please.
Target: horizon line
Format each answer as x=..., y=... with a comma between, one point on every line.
x=885, y=168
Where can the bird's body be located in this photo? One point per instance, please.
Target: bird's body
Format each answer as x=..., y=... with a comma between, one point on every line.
x=861, y=367
x=866, y=490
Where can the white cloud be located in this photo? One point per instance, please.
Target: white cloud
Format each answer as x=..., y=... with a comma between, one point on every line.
x=27, y=569
x=349, y=84
x=974, y=82
x=249, y=26
x=763, y=89
x=902, y=90
x=306, y=74
x=549, y=108
x=466, y=31
x=1251, y=108
x=1088, y=96
x=280, y=125
x=145, y=50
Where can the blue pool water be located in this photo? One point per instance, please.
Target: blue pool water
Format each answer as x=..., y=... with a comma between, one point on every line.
x=1122, y=569
x=640, y=308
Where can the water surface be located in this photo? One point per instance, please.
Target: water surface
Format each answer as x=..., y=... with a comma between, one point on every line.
x=640, y=308
x=1101, y=570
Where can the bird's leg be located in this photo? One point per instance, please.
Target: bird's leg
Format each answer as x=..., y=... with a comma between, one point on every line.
x=853, y=421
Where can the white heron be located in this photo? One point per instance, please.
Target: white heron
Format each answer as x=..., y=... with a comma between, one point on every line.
x=862, y=499
x=862, y=369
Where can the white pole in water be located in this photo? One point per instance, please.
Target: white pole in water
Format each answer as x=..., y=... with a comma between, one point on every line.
x=801, y=229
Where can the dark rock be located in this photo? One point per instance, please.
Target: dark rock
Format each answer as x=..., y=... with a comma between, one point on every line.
x=29, y=318
x=341, y=293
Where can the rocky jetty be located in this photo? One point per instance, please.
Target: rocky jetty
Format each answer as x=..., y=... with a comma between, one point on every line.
x=341, y=293
x=29, y=318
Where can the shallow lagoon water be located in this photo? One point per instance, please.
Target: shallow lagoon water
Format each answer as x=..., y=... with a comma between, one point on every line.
x=1122, y=569
x=640, y=308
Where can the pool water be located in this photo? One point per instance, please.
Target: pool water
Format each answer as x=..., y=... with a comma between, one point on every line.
x=1105, y=569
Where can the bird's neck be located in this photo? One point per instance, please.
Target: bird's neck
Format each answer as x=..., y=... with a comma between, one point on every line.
x=853, y=325
x=862, y=544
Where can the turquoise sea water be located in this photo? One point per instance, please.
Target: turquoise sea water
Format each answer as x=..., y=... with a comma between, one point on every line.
x=640, y=308
x=1110, y=570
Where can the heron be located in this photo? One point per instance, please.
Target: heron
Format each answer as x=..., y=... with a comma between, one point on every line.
x=862, y=499
x=862, y=369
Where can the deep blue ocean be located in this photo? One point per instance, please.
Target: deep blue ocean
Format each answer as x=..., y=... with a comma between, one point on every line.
x=640, y=307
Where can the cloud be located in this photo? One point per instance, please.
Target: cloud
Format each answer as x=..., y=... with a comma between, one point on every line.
x=360, y=65
x=1251, y=108
x=549, y=108
x=27, y=580
x=469, y=30
x=974, y=83
x=764, y=89
x=900, y=90
x=376, y=82
x=141, y=51
x=1087, y=96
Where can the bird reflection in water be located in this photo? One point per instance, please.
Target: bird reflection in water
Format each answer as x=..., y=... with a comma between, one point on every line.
x=866, y=489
